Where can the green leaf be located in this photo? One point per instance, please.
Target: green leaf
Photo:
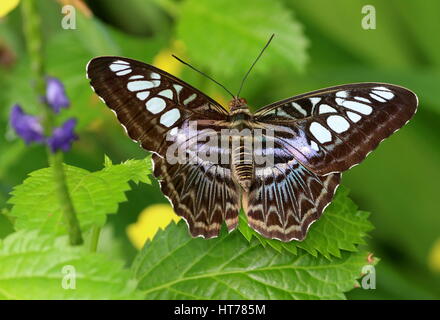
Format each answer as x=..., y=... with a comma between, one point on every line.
x=226, y=36
x=176, y=266
x=107, y=162
x=341, y=21
x=34, y=266
x=342, y=227
x=5, y=225
x=94, y=195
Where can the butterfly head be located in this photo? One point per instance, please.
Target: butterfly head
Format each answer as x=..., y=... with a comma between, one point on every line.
x=238, y=105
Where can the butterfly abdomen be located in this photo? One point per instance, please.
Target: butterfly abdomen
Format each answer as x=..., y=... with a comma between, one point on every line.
x=241, y=143
x=242, y=160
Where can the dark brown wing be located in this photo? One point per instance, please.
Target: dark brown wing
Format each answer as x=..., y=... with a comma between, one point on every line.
x=333, y=129
x=149, y=102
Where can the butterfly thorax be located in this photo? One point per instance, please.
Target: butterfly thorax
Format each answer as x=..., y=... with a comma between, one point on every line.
x=241, y=142
x=240, y=115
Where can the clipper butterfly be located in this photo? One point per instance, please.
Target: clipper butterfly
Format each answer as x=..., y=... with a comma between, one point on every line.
x=311, y=139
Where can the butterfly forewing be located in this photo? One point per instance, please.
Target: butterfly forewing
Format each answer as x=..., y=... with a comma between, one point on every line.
x=149, y=102
x=333, y=129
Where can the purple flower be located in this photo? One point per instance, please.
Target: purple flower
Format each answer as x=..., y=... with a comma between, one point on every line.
x=26, y=126
x=55, y=94
x=63, y=137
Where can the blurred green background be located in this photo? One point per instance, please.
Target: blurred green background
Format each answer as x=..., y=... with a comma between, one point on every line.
x=318, y=43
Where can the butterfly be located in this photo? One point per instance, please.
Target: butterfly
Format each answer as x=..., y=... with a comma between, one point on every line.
x=311, y=138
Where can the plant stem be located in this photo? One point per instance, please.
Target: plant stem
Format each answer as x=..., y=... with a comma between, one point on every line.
x=34, y=43
x=64, y=199
x=96, y=231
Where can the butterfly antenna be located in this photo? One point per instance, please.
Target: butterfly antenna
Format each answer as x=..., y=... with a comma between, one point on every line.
x=253, y=64
x=203, y=74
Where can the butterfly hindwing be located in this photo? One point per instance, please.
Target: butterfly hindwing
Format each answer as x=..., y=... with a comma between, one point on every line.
x=333, y=129
x=203, y=193
x=285, y=198
x=149, y=102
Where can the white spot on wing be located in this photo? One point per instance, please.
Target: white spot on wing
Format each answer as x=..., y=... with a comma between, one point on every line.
x=170, y=117
x=353, y=105
x=325, y=108
x=382, y=88
x=123, y=72
x=177, y=87
x=166, y=93
x=142, y=95
x=139, y=85
x=314, y=145
x=338, y=123
x=155, y=75
x=155, y=105
x=299, y=108
x=383, y=92
x=314, y=100
x=136, y=77
x=121, y=62
x=189, y=99
x=173, y=131
x=342, y=94
x=320, y=133
x=362, y=99
x=376, y=97
x=118, y=67
x=353, y=116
